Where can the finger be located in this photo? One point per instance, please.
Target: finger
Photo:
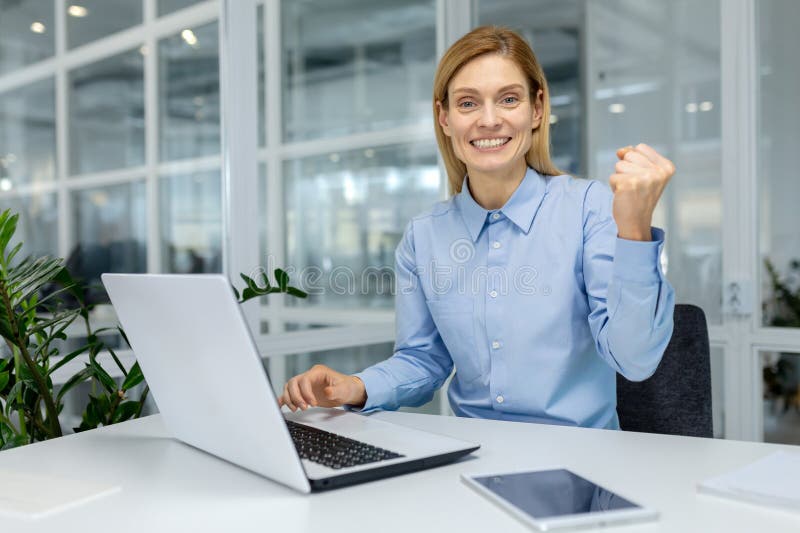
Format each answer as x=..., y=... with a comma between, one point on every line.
x=287, y=400
x=647, y=151
x=297, y=396
x=626, y=167
x=308, y=391
x=622, y=151
x=656, y=158
x=615, y=180
x=639, y=159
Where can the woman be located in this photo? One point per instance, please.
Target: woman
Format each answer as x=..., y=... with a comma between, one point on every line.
x=537, y=286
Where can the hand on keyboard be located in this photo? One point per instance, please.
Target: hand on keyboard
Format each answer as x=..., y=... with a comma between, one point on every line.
x=322, y=386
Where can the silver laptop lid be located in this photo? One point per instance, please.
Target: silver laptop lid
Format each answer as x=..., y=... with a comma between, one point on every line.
x=204, y=370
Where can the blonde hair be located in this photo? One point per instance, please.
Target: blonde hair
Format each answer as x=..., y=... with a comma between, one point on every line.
x=507, y=43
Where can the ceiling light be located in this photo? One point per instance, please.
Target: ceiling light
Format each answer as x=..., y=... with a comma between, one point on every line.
x=189, y=37
x=616, y=108
x=99, y=198
x=334, y=157
x=38, y=27
x=143, y=49
x=706, y=106
x=691, y=107
x=553, y=119
x=5, y=184
x=77, y=11
x=369, y=152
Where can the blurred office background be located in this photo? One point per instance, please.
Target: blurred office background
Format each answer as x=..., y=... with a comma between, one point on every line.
x=110, y=151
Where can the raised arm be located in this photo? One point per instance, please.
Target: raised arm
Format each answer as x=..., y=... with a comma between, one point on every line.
x=630, y=300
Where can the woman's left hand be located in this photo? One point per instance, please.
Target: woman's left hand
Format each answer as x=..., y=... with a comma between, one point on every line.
x=639, y=179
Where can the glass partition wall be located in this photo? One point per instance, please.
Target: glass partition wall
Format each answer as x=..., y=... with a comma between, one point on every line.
x=110, y=150
x=109, y=138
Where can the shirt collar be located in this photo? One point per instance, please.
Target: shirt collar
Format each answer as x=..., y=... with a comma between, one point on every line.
x=521, y=208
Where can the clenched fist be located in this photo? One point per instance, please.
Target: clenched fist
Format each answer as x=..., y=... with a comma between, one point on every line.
x=637, y=183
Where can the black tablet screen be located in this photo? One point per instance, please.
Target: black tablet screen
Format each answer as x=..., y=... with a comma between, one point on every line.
x=551, y=493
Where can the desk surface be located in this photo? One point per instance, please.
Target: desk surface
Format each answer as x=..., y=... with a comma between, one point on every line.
x=167, y=486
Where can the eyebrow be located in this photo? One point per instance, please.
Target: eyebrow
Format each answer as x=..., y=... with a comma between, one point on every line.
x=506, y=88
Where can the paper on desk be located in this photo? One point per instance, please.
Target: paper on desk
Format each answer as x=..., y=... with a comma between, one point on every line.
x=773, y=480
x=30, y=496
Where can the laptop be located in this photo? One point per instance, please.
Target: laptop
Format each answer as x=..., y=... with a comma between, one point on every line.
x=206, y=375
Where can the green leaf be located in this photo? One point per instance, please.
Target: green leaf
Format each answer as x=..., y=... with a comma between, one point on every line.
x=294, y=291
x=248, y=293
x=282, y=278
x=102, y=376
x=79, y=377
x=68, y=282
x=67, y=358
x=42, y=325
x=4, y=379
x=124, y=336
x=15, y=442
x=116, y=360
x=135, y=376
x=7, y=432
x=6, y=331
x=250, y=283
x=12, y=402
x=235, y=292
x=103, y=403
x=265, y=280
x=13, y=253
x=125, y=411
x=92, y=414
x=40, y=272
x=8, y=225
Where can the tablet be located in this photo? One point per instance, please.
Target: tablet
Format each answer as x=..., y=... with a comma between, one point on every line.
x=557, y=498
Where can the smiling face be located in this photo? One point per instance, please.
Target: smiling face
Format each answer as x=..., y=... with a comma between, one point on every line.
x=489, y=117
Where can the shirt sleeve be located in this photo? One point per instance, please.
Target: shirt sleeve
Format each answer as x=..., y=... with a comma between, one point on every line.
x=630, y=300
x=420, y=363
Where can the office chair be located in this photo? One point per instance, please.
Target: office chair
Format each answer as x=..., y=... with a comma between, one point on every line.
x=676, y=400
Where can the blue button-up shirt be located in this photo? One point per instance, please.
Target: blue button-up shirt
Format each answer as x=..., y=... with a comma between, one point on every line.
x=537, y=305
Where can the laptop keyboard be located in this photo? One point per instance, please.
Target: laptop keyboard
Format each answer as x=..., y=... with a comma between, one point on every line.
x=332, y=450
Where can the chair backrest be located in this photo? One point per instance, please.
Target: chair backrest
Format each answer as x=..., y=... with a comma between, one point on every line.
x=676, y=400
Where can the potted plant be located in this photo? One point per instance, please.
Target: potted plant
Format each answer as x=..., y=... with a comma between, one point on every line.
x=781, y=375
x=39, y=301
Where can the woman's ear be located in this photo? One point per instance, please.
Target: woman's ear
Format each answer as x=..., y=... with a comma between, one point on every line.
x=537, y=109
x=442, y=116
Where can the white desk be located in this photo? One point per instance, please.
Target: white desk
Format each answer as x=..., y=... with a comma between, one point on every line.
x=167, y=486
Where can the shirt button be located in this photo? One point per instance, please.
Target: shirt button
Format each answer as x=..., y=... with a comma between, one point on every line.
x=500, y=398
x=496, y=245
x=493, y=294
x=495, y=216
x=495, y=345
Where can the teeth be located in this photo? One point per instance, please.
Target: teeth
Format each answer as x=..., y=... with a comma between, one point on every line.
x=489, y=143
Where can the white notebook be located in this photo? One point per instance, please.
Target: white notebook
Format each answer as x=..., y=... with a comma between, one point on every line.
x=30, y=496
x=773, y=480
